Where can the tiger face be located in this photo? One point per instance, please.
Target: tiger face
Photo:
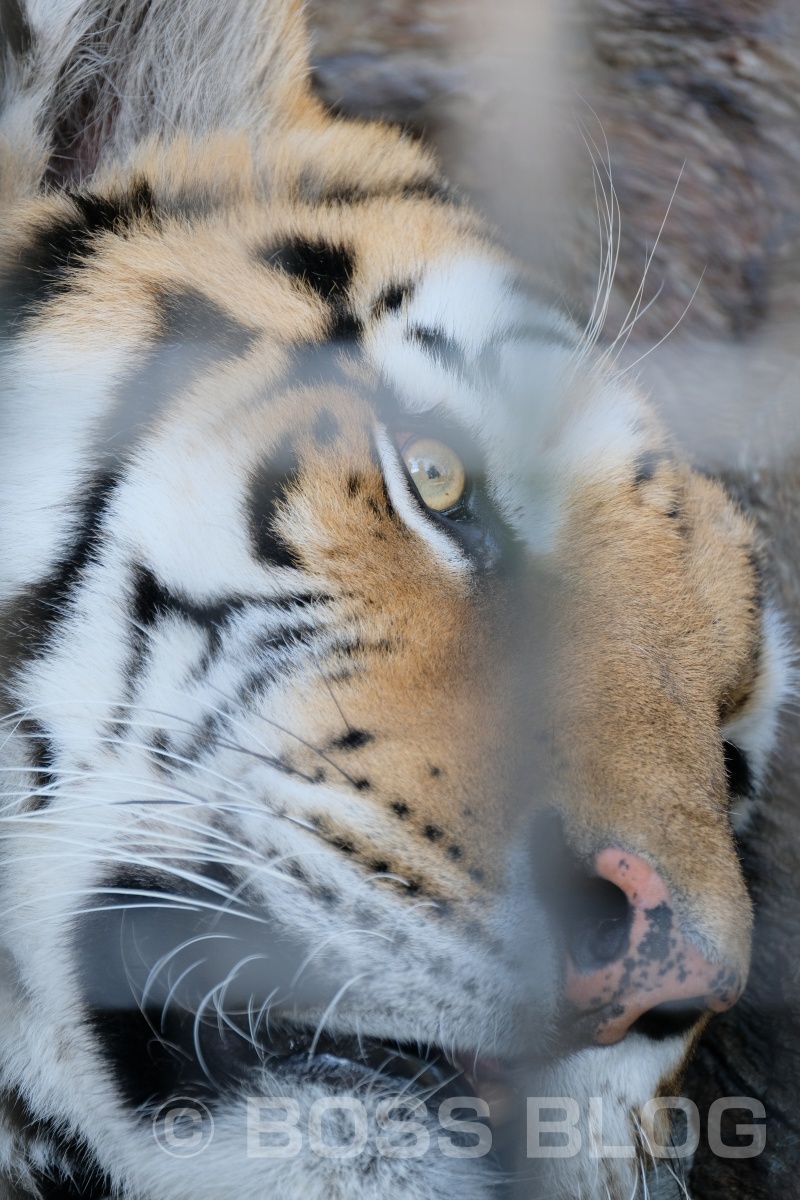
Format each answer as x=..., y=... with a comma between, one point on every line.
x=380, y=690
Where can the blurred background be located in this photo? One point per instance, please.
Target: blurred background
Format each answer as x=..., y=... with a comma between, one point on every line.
x=662, y=136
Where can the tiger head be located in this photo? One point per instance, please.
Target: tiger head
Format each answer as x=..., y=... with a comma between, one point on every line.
x=381, y=689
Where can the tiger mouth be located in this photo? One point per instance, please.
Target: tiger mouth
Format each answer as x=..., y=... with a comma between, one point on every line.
x=185, y=1035
x=347, y=1063
x=424, y=1071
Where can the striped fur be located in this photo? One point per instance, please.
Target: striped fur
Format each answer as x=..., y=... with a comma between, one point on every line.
x=268, y=719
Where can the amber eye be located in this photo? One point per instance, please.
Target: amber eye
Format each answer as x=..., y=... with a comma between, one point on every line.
x=437, y=471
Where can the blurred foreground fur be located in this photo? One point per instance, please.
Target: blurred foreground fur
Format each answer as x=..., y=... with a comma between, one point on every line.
x=708, y=94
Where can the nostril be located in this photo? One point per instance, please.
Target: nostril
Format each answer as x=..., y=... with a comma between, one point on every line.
x=598, y=924
x=670, y=1019
x=632, y=965
x=594, y=916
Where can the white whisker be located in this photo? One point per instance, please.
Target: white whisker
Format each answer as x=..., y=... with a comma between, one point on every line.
x=330, y=1009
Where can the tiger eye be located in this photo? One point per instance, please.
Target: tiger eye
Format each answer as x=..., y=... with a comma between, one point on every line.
x=437, y=471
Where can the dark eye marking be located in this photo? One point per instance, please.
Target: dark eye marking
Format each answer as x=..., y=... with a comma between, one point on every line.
x=737, y=770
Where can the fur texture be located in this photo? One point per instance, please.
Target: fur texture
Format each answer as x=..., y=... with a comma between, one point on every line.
x=281, y=742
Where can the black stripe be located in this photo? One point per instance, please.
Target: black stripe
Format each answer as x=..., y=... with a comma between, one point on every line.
x=354, y=739
x=326, y=428
x=37, y=612
x=116, y=214
x=268, y=490
x=445, y=351
x=77, y=1177
x=317, y=364
x=345, y=326
x=325, y=268
x=72, y=1174
x=429, y=189
x=150, y=1062
x=423, y=189
x=41, y=756
x=153, y=601
x=540, y=334
x=392, y=298
x=737, y=771
x=189, y=317
x=270, y=650
x=15, y=32
x=46, y=266
x=757, y=567
x=487, y=363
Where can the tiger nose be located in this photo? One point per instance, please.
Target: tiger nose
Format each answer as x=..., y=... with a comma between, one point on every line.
x=629, y=963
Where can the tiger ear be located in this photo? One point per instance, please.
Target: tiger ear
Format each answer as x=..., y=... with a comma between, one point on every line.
x=94, y=77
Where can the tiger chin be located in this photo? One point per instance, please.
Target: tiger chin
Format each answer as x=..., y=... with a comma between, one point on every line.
x=380, y=691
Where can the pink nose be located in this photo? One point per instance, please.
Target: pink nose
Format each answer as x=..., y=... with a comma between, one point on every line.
x=652, y=968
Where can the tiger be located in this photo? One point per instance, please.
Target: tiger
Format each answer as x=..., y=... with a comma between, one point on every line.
x=382, y=691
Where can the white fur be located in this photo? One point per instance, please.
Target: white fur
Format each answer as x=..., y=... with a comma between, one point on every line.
x=54, y=394
x=624, y=1077
x=161, y=67
x=545, y=424
x=755, y=729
